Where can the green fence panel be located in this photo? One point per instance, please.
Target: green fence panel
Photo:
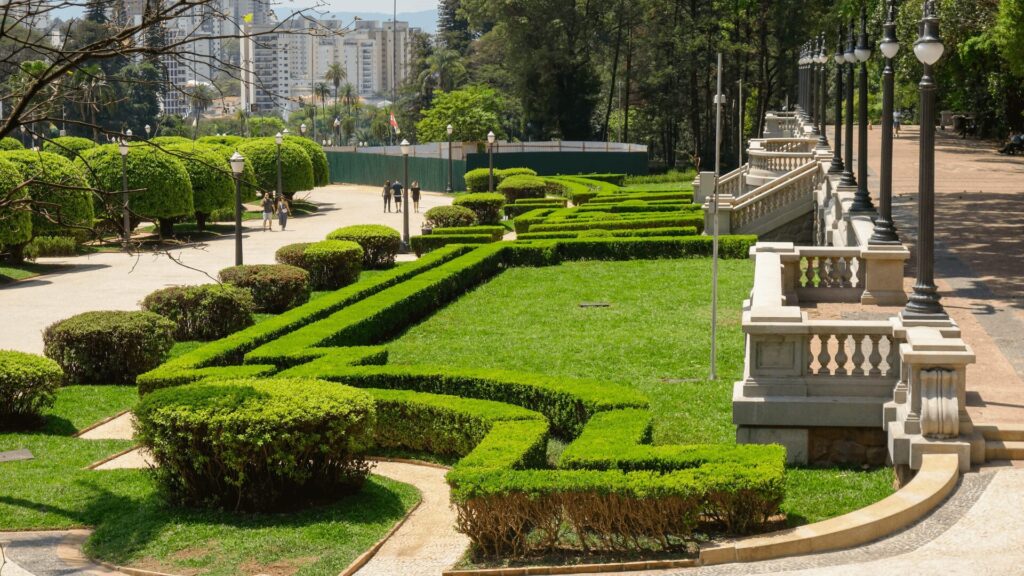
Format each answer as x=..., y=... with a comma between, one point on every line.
x=554, y=163
x=374, y=169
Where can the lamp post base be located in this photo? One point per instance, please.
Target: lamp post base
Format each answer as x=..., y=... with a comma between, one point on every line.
x=884, y=233
x=923, y=304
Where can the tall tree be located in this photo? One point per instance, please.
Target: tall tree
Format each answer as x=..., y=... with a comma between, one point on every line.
x=453, y=30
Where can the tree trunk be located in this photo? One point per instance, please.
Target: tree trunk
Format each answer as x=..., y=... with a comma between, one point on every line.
x=629, y=73
x=615, y=71
x=201, y=221
x=166, y=228
x=17, y=252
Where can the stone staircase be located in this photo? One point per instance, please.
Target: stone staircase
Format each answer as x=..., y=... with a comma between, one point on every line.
x=1002, y=442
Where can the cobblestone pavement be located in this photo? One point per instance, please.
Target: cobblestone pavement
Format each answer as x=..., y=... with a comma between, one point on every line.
x=114, y=281
x=48, y=554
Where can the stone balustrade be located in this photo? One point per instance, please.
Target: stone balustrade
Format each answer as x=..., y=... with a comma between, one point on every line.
x=766, y=207
x=778, y=162
x=784, y=144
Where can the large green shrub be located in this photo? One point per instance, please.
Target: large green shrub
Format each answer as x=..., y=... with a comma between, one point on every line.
x=296, y=166
x=449, y=216
x=274, y=287
x=225, y=140
x=293, y=254
x=68, y=146
x=60, y=198
x=210, y=175
x=321, y=173
x=27, y=387
x=158, y=183
x=486, y=206
x=257, y=444
x=51, y=247
x=8, y=143
x=109, y=347
x=205, y=312
x=16, y=218
x=333, y=263
x=163, y=141
x=250, y=190
x=477, y=179
x=522, y=186
x=380, y=243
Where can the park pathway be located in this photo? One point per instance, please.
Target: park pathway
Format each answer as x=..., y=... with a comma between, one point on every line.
x=114, y=281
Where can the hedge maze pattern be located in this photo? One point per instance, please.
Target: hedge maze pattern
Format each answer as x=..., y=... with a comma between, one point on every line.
x=611, y=490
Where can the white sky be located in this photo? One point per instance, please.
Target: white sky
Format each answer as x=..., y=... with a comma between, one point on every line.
x=373, y=5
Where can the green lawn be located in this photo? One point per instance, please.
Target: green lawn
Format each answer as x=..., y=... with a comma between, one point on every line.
x=14, y=272
x=654, y=336
x=135, y=527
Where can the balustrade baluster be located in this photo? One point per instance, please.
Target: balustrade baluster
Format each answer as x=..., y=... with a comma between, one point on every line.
x=893, y=358
x=824, y=357
x=875, y=358
x=861, y=273
x=823, y=272
x=808, y=271
x=858, y=354
x=841, y=356
x=847, y=273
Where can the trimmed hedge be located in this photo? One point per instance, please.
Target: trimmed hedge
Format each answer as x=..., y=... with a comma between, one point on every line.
x=523, y=223
x=550, y=252
x=449, y=216
x=9, y=143
x=51, y=246
x=28, y=385
x=515, y=188
x=380, y=243
x=296, y=166
x=16, y=219
x=496, y=232
x=317, y=156
x=486, y=206
x=159, y=184
x=477, y=179
x=642, y=233
x=274, y=287
x=108, y=347
x=333, y=263
x=68, y=146
x=661, y=221
x=225, y=140
x=59, y=193
x=163, y=141
x=205, y=312
x=523, y=206
x=293, y=254
x=210, y=174
x=424, y=244
x=257, y=445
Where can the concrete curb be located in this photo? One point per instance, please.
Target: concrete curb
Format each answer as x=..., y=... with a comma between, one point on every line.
x=577, y=568
x=96, y=425
x=934, y=482
x=365, y=557
x=115, y=456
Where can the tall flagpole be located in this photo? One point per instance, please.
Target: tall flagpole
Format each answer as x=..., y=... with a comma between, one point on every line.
x=714, y=224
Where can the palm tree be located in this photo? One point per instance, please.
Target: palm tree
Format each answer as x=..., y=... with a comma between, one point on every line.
x=349, y=96
x=445, y=67
x=95, y=91
x=335, y=75
x=322, y=91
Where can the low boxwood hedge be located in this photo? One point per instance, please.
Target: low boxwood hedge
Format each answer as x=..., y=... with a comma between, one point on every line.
x=642, y=233
x=661, y=221
x=204, y=312
x=496, y=232
x=257, y=444
x=28, y=385
x=449, y=216
x=108, y=347
x=486, y=206
x=477, y=179
x=423, y=244
x=523, y=206
x=274, y=287
x=380, y=243
x=333, y=263
x=292, y=254
x=515, y=188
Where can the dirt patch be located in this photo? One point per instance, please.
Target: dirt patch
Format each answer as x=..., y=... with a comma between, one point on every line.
x=284, y=567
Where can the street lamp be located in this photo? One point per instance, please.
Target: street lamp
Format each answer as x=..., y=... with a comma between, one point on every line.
x=451, y=130
x=837, y=166
x=125, y=215
x=849, y=57
x=405, y=195
x=148, y=128
x=278, y=139
x=24, y=142
x=862, y=198
x=823, y=68
x=128, y=134
x=302, y=128
x=237, y=167
x=924, y=301
x=490, y=161
x=337, y=129
x=885, y=232
x=195, y=126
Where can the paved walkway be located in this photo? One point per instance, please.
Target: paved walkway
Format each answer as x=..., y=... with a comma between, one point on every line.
x=113, y=281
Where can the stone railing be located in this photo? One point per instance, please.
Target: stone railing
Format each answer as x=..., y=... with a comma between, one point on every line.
x=805, y=378
x=778, y=162
x=784, y=144
x=774, y=201
x=732, y=184
x=781, y=125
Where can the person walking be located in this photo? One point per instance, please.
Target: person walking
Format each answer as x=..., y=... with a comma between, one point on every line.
x=268, y=211
x=896, y=117
x=283, y=211
x=415, y=195
x=396, y=188
x=387, y=195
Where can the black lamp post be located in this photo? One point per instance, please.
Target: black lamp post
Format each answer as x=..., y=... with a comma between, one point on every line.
x=24, y=141
x=823, y=100
x=405, y=195
x=849, y=57
x=812, y=87
x=862, y=199
x=924, y=301
x=237, y=167
x=885, y=231
x=337, y=131
x=126, y=235
x=451, y=130
x=490, y=161
x=278, y=139
x=837, y=166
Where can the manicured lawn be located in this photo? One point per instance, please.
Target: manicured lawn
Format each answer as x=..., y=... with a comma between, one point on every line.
x=15, y=272
x=654, y=336
x=134, y=526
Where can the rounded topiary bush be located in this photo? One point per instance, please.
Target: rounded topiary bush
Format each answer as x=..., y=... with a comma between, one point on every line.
x=509, y=172
x=16, y=219
x=522, y=186
x=109, y=347
x=250, y=189
x=333, y=263
x=257, y=444
x=225, y=140
x=61, y=201
x=169, y=140
x=274, y=287
x=380, y=243
x=321, y=172
x=210, y=175
x=293, y=254
x=8, y=143
x=27, y=387
x=487, y=206
x=205, y=312
x=296, y=166
x=477, y=179
x=68, y=146
x=450, y=217
x=161, y=189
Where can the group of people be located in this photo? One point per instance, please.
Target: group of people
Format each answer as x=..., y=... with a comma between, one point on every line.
x=393, y=191
x=273, y=204
x=1014, y=145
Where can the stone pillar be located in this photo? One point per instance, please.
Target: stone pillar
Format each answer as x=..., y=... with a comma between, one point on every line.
x=706, y=186
x=883, y=282
x=724, y=215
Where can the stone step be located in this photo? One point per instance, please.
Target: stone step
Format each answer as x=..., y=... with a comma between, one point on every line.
x=1008, y=432
x=1004, y=450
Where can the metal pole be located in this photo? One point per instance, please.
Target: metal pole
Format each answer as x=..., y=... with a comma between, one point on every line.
x=862, y=198
x=490, y=167
x=739, y=147
x=714, y=224
x=823, y=72
x=238, y=220
x=450, y=181
x=848, y=178
x=124, y=199
x=405, y=202
x=837, y=166
x=885, y=232
x=280, y=186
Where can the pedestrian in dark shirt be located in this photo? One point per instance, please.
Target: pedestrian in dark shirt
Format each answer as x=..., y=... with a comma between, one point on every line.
x=387, y=195
x=415, y=195
x=397, y=189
